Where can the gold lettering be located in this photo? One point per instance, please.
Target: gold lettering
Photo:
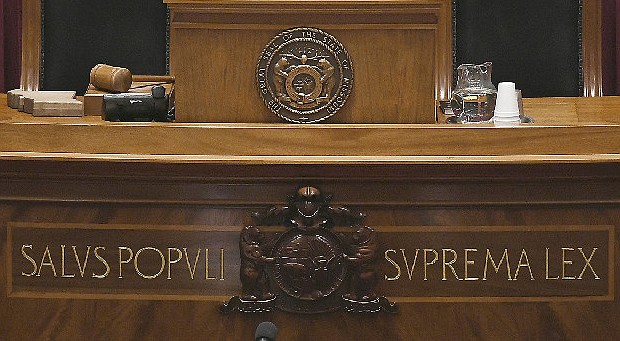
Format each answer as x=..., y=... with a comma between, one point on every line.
x=521, y=264
x=77, y=259
x=427, y=263
x=207, y=265
x=566, y=262
x=587, y=263
x=163, y=262
x=547, y=266
x=191, y=270
x=467, y=263
x=170, y=261
x=496, y=268
x=30, y=259
x=50, y=263
x=103, y=261
x=449, y=264
x=221, y=264
x=121, y=261
x=415, y=259
x=62, y=263
x=396, y=266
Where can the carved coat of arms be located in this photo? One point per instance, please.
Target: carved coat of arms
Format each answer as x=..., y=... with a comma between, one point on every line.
x=304, y=75
x=292, y=259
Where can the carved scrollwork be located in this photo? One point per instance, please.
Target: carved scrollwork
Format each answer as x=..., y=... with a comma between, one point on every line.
x=308, y=268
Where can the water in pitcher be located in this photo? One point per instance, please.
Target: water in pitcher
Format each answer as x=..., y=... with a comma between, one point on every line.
x=473, y=100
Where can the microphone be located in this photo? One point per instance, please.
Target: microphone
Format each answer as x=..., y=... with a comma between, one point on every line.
x=266, y=331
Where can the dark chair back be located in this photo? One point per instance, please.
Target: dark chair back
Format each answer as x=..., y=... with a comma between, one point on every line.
x=548, y=48
x=76, y=35
x=542, y=46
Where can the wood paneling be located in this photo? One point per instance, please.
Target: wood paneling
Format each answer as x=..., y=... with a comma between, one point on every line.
x=592, y=48
x=86, y=171
x=31, y=48
x=400, y=52
x=72, y=319
x=564, y=130
x=201, y=263
x=31, y=44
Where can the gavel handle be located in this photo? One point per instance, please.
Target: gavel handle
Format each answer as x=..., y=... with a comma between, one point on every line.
x=151, y=78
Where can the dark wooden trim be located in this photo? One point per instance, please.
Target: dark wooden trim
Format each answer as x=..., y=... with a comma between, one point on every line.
x=243, y=185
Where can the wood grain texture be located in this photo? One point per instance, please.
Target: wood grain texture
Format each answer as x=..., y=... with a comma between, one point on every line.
x=594, y=136
x=592, y=64
x=72, y=319
x=592, y=48
x=82, y=171
x=399, y=50
x=31, y=44
x=162, y=257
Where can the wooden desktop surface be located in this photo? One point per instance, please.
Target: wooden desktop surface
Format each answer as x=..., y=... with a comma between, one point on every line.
x=586, y=129
x=561, y=171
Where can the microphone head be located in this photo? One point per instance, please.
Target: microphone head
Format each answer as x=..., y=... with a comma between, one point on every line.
x=266, y=331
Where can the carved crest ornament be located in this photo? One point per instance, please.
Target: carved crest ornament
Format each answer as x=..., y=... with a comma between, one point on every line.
x=304, y=75
x=293, y=260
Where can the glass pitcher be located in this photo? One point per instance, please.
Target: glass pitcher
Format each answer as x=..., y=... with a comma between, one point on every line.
x=473, y=100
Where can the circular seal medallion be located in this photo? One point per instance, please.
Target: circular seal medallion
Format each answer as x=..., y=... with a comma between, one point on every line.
x=304, y=75
x=309, y=266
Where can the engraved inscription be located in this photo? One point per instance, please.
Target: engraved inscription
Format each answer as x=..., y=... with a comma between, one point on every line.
x=307, y=262
x=472, y=264
x=533, y=263
x=83, y=260
x=88, y=261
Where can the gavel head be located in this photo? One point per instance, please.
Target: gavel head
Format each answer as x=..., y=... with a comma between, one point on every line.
x=110, y=78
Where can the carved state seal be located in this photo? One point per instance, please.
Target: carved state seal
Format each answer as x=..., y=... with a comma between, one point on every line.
x=304, y=75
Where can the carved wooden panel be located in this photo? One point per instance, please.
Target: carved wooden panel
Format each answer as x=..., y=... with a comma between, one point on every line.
x=400, y=52
x=148, y=207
